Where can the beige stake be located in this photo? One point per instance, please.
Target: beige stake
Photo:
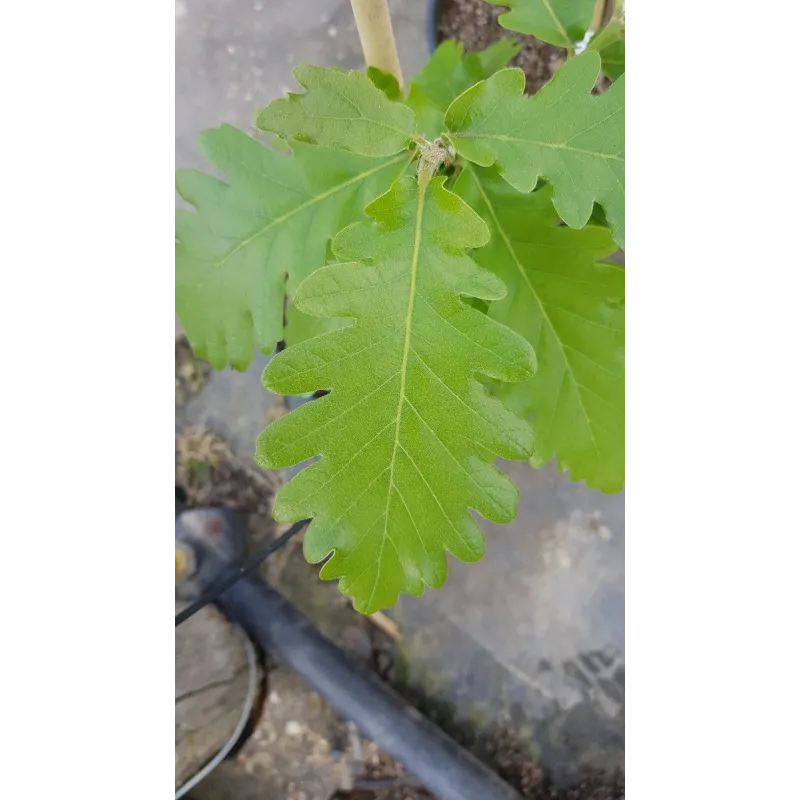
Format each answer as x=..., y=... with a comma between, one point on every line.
x=377, y=37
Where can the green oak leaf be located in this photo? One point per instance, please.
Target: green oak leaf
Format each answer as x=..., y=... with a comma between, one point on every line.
x=407, y=434
x=272, y=220
x=447, y=74
x=495, y=56
x=558, y=22
x=568, y=136
x=300, y=326
x=385, y=82
x=571, y=309
x=342, y=110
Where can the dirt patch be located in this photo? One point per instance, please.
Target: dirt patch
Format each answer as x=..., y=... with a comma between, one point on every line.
x=191, y=373
x=474, y=22
x=506, y=753
x=212, y=475
x=382, y=779
x=209, y=474
x=389, y=782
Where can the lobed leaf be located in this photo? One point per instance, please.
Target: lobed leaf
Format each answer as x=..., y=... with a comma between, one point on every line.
x=571, y=309
x=573, y=139
x=407, y=434
x=256, y=237
x=447, y=74
x=495, y=56
x=342, y=110
x=387, y=83
x=558, y=22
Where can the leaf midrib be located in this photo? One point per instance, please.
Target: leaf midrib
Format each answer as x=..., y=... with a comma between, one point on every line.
x=568, y=43
x=523, y=273
x=304, y=206
x=412, y=292
x=517, y=140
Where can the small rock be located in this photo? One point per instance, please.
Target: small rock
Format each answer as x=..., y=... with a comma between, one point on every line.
x=294, y=728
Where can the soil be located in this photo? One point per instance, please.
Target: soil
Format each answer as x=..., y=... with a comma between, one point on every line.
x=474, y=22
x=191, y=373
x=210, y=474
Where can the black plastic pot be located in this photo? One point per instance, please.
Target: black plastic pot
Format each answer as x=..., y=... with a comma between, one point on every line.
x=431, y=23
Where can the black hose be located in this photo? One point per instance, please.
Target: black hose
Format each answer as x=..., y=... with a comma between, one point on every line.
x=447, y=770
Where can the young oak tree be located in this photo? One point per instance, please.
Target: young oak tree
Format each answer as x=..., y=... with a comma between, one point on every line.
x=440, y=254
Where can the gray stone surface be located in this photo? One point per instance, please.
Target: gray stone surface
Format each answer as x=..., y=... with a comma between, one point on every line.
x=532, y=637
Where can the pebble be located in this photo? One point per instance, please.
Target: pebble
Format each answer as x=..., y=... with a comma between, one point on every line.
x=294, y=728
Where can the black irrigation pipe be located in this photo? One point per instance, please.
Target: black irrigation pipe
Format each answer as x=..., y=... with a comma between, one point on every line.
x=447, y=770
x=216, y=589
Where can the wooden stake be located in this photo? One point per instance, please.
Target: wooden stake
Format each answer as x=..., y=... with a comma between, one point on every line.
x=387, y=625
x=603, y=11
x=377, y=37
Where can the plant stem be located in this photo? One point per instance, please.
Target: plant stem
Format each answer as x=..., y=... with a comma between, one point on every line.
x=377, y=37
x=603, y=13
x=605, y=27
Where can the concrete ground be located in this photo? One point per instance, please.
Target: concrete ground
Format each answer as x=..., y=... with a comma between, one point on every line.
x=532, y=638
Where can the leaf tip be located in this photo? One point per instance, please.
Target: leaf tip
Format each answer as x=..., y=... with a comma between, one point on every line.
x=510, y=78
x=306, y=72
x=592, y=57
